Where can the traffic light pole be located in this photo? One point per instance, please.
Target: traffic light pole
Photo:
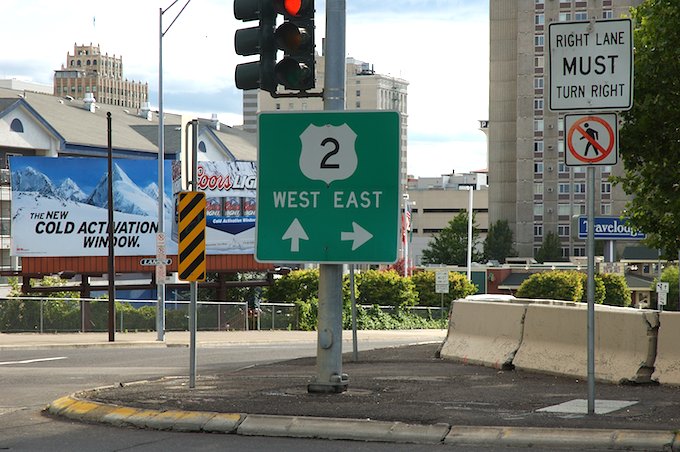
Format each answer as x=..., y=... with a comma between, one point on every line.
x=329, y=378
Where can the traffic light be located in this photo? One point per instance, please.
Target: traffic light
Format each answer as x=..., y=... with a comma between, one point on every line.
x=256, y=41
x=295, y=36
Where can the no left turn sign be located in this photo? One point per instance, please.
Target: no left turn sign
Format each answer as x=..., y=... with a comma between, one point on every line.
x=591, y=139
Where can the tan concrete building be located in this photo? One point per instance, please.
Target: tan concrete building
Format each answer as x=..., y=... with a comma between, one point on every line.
x=365, y=90
x=87, y=70
x=437, y=200
x=529, y=184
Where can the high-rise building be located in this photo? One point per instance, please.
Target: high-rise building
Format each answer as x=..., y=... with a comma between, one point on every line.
x=529, y=184
x=88, y=73
x=365, y=90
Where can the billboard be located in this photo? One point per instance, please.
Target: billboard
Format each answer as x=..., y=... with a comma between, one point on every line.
x=60, y=207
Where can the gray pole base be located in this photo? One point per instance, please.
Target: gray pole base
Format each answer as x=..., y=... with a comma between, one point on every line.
x=337, y=385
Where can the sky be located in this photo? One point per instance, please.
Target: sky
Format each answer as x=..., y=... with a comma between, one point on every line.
x=441, y=47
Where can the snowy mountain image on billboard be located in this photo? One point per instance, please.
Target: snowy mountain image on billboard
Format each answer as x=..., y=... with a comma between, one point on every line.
x=60, y=206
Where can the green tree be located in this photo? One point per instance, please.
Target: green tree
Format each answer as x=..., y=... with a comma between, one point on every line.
x=498, y=243
x=297, y=285
x=449, y=247
x=670, y=275
x=650, y=136
x=550, y=250
x=616, y=291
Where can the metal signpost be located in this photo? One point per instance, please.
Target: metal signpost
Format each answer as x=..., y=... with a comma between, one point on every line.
x=441, y=286
x=591, y=69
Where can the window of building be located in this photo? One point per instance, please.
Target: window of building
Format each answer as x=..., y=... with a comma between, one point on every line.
x=538, y=125
x=16, y=126
x=560, y=146
x=580, y=251
x=563, y=188
x=581, y=209
x=579, y=169
x=605, y=209
x=579, y=187
x=607, y=14
x=580, y=15
x=564, y=209
x=358, y=93
x=539, y=2
x=540, y=19
x=562, y=168
x=539, y=61
x=560, y=124
x=357, y=104
x=538, y=167
x=538, y=230
x=538, y=146
x=538, y=188
x=539, y=40
x=538, y=82
x=565, y=252
x=563, y=230
x=538, y=209
x=606, y=187
x=564, y=17
x=278, y=106
x=538, y=103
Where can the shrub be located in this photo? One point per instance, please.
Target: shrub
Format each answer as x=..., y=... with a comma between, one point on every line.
x=556, y=285
x=424, y=281
x=297, y=285
x=385, y=288
x=616, y=292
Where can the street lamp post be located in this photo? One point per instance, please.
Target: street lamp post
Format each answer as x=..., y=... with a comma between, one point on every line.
x=160, y=282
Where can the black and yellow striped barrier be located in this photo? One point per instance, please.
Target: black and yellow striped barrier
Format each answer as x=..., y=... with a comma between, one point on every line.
x=191, y=228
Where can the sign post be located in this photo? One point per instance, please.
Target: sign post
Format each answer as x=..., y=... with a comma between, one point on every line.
x=591, y=68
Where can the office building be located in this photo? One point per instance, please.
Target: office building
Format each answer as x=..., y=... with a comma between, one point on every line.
x=90, y=74
x=530, y=185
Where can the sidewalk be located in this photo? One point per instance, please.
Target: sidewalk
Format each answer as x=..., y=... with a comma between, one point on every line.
x=203, y=338
x=401, y=394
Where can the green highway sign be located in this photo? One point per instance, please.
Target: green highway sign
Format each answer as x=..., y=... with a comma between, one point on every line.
x=328, y=187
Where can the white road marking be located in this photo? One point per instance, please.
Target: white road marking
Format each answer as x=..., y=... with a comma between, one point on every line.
x=29, y=361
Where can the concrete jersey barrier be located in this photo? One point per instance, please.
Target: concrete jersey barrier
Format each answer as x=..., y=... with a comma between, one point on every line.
x=486, y=333
x=667, y=365
x=555, y=341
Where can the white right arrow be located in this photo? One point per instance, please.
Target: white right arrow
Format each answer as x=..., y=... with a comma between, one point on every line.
x=295, y=233
x=359, y=236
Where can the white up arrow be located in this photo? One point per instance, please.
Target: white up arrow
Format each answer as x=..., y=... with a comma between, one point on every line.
x=295, y=233
x=359, y=236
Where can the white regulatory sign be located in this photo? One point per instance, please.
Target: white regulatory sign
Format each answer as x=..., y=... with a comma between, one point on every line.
x=591, y=139
x=662, y=287
x=591, y=65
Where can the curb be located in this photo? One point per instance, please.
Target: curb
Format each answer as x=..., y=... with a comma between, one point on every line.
x=74, y=408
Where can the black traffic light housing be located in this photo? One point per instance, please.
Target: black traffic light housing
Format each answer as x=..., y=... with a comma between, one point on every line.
x=257, y=40
x=296, y=71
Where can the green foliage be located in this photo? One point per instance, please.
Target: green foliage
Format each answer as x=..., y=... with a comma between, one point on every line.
x=297, y=285
x=498, y=243
x=649, y=141
x=385, y=288
x=550, y=250
x=374, y=318
x=616, y=292
x=307, y=311
x=449, y=247
x=424, y=281
x=566, y=285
